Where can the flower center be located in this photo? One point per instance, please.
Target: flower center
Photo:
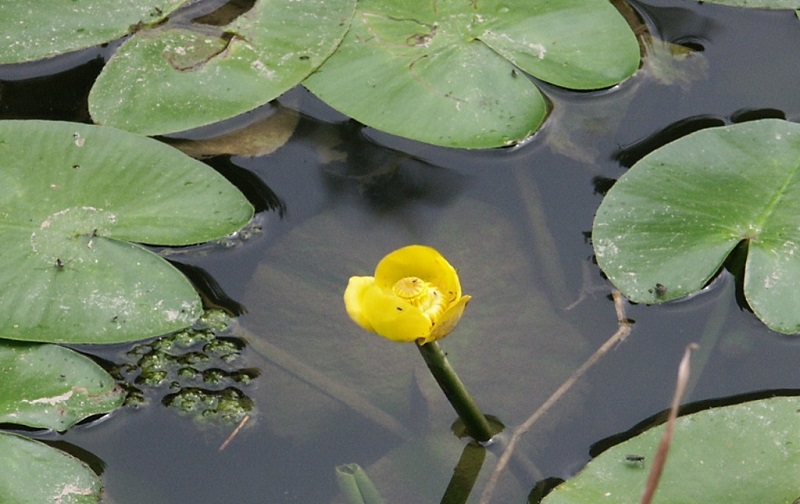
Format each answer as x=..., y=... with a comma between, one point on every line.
x=410, y=288
x=423, y=295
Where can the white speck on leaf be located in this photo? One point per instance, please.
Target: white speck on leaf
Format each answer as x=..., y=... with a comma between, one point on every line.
x=51, y=400
x=71, y=489
x=540, y=50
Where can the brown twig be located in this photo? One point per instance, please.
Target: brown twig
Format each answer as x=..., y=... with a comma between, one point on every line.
x=666, y=439
x=588, y=286
x=623, y=330
x=234, y=433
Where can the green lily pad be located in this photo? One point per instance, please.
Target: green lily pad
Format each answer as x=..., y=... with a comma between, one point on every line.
x=34, y=473
x=743, y=453
x=30, y=32
x=52, y=387
x=451, y=73
x=174, y=78
x=72, y=198
x=666, y=227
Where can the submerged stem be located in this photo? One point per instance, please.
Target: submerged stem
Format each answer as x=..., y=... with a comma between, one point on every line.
x=455, y=391
x=465, y=474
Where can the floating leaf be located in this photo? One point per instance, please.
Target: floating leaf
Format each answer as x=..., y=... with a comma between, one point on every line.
x=743, y=453
x=666, y=227
x=175, y=78
x=450, y=73
x=72, y=197
x=34, y=473
x=52, y=387
x=34, y=31
x=259, y=138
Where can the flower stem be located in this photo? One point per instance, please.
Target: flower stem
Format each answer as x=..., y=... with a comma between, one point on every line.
x=455, y=391
x=465, y=474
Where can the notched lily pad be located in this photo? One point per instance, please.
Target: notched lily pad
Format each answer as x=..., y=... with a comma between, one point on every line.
x=451, y=73
x=743, y=453
x=666, y=227
x=52, y=387
x=175, y=78
x=72, y=198
x=30, y=32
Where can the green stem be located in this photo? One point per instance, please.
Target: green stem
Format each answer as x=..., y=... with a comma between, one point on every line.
x=455, y=391
x=465, y=474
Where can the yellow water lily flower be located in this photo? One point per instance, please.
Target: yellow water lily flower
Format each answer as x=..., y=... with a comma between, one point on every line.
x=415, y=295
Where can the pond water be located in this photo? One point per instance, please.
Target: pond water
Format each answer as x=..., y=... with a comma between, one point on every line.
x=514, y=222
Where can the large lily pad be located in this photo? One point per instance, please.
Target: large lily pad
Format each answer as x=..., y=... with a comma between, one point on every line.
x=450, y=73
x=743, y=453
x=34, y=473
x=52, y=387
x=34, y=31
x=72, y=198
x=175, y=78
x=666, y=227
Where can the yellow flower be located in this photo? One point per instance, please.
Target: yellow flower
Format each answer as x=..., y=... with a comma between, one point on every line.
x=415, y=295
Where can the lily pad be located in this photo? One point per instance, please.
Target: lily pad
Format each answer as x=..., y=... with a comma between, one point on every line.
x=742, y=453
x=72, y=198
x=174, y=78
x=52, y=387
x=451, y=73
x=666, y=227
x=259, y=138
x=34, y=473
x=30, y=32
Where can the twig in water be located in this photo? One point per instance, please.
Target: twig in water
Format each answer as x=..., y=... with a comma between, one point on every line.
x=623, y=330
x=234, y=433
x=544, y=246
x=666, y=439
x=588, y=286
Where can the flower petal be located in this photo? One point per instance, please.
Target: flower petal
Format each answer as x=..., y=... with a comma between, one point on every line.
x=448, y=320
x=393, y=317
x=354, y=300
x=421, y=262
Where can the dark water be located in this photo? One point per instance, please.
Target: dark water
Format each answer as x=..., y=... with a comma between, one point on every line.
x=494, y=214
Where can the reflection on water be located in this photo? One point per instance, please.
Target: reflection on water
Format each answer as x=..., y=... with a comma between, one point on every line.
x=513, y=222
